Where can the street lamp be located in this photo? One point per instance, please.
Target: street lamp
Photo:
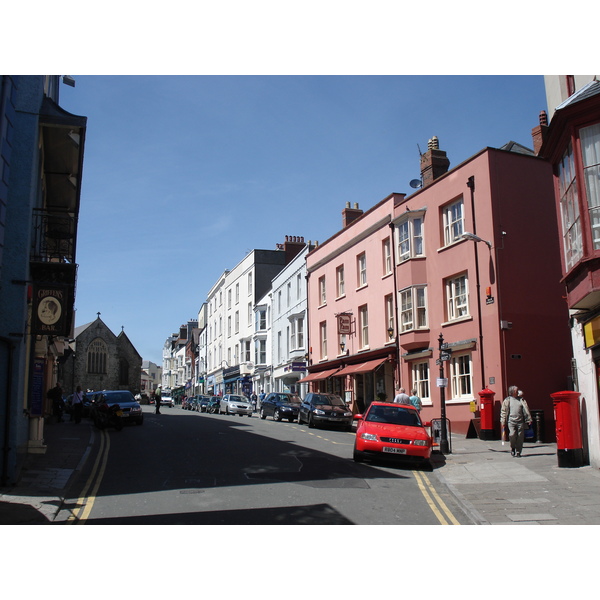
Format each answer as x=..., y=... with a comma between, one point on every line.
x=475, y=238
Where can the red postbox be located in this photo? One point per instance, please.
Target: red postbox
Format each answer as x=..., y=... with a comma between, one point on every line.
x=567, y=416
x=486, y=410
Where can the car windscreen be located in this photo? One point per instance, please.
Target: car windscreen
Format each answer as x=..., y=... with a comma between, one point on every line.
x=117, y=397
x=288, y=398
x=237, y=399
x=328, y=399
x=394, y=415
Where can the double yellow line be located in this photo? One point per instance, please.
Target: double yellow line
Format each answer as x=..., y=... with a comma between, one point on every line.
x=437, y=505
x=85, y=502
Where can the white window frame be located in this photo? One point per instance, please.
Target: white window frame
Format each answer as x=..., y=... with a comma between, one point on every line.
x=361, y=269
x=323, y=339
x=589, y=138
x=569, y=209
x=386, y=252
x=461, y=377
x=413, y=308
x=389, y=315
x=421, y=380
x=363, y=324
x=453, y=218
x=457, y=298
x=410, y=234
x=340, y=284
x=322, y=291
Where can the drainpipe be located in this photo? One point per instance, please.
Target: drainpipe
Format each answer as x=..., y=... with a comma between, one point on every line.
x=397, y=341
x=6, y=447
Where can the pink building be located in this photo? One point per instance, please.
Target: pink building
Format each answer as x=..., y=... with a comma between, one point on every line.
x=476, y=262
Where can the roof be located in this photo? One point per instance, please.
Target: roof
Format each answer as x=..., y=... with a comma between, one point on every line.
x=587, y=91
x=518, y=148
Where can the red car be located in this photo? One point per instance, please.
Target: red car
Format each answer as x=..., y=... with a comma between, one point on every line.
x=394, y=431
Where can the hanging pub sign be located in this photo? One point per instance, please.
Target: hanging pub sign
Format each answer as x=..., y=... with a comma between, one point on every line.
x=344, y=324
x=50, y=308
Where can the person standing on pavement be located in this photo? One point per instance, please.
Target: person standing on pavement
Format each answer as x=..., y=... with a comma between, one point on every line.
x=402, y=397
x=515, y=413
x=157, y=396
x=58, y=404
x=77, y=406
x=415, y=400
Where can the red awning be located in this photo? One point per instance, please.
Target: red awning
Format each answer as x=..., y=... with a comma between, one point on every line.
x=365, y=367
x=317, y=376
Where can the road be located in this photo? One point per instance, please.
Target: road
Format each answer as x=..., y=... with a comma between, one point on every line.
x=184, y=467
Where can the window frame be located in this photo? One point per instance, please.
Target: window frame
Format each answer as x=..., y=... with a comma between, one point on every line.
x=361, y=270
x=452, y=298
x=451, y=223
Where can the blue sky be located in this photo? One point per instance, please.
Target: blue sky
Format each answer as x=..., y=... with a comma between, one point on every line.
x=183, y=175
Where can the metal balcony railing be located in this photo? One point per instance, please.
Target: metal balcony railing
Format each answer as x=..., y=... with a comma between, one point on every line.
x=53, y=236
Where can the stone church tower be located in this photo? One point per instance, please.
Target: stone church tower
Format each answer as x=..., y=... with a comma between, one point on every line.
x=101, y=360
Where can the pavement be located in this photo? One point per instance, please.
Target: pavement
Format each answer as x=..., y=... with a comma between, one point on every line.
x=491, y=486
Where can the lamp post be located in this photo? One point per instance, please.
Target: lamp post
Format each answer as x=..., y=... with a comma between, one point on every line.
x=475, y=238
x=444, y=446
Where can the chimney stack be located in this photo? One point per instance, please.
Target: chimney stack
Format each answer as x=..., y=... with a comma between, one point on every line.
x=434, y=163
x=350, y=214
x=539, y=133
x=292, y=246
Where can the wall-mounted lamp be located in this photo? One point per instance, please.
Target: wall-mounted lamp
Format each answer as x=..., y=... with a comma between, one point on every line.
x=475, y=238
x=342, y=346
x=390, y=332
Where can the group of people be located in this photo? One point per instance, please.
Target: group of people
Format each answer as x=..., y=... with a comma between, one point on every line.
x=403, y=398
x=515, y=416
x=55, y=395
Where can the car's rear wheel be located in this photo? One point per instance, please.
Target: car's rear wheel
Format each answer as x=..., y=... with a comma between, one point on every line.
x=276, y=415
x=311, y=422
x=299, y=419
x=263, y=414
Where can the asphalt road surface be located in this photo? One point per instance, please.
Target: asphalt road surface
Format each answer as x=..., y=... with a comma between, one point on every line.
x=184, y=467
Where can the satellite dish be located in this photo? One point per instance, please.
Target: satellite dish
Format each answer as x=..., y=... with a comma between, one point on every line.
x=416, y=184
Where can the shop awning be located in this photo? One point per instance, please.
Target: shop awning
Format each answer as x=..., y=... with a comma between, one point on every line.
x=365, y=367
x=317, y=376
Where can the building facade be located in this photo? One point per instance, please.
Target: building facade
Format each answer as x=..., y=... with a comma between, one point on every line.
x=41, y=163
x=569, y=138
x=101, y=360
x=454, y=264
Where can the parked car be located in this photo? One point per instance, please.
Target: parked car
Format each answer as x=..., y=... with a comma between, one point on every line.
x=213, y=404
x=202, y=403
x=167, y=401
x=325, y=409
x=132, y=411
x=186, y=403
x=393, y=431
x=280, y=405
x=233, y=404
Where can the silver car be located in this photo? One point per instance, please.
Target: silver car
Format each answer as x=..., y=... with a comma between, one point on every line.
x=232, y=404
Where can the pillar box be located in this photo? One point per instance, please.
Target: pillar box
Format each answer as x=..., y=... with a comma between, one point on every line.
x=567, y=416
x=486, y=410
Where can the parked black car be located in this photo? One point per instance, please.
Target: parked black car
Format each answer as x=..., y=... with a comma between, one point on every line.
x=280, y=405
x=213, y=404
x=202, y=403
x=132, y=411
x=325, y=409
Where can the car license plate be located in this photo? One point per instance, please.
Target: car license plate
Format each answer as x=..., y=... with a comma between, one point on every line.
x=394, y=450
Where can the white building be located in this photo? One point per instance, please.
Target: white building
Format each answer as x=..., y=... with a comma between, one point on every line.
x=289, y=325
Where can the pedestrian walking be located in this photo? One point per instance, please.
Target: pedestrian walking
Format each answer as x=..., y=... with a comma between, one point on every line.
x=515, y=414
x=157, y=396
x=253, y=399
x=58, y=404
x=402, y=397
x=415, y=400
x=77, y=405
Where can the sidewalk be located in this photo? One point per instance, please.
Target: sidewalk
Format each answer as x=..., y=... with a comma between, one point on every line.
x=44, y=480
x=498, y=489
x=492, y=487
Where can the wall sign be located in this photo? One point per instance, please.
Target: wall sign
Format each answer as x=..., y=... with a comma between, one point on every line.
x=50, y=304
